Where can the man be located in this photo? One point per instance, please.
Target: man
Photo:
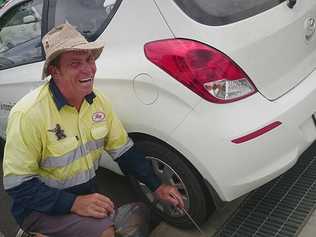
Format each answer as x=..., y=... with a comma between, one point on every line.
x=55, y=137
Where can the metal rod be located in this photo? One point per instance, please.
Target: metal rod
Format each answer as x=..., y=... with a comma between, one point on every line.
x=202, y=233
x=194, y=223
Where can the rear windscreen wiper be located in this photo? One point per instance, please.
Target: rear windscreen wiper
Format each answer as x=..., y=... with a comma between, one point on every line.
x=291, y=3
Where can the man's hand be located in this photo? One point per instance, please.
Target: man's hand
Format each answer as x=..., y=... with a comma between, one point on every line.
x=93, y=205
x=170, y=194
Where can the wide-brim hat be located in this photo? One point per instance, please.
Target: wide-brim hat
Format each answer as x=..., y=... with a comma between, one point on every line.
x=64, y=38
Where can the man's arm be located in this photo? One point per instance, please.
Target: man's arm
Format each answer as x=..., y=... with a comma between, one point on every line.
x=37, y=196
x=22, y=155
x=135, y=164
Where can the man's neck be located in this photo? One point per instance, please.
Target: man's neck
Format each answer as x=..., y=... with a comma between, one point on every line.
x=76, y=102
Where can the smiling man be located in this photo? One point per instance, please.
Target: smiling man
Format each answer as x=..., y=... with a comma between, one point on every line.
x=55, y=138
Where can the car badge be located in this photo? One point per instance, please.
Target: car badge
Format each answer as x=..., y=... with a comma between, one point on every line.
x=310, y=27
x=98, y=117
x=60, y=134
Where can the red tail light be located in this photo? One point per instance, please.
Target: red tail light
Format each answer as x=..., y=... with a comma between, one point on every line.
x=204, y=70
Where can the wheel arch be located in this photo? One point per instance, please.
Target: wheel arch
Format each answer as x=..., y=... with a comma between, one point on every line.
x=208, y=190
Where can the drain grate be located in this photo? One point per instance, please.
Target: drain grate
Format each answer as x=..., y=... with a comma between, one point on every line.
x=279, y=208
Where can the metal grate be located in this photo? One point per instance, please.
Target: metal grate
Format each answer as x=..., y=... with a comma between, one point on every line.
x=279, y=208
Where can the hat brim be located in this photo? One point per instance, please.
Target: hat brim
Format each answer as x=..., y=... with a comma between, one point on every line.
x=96, y=48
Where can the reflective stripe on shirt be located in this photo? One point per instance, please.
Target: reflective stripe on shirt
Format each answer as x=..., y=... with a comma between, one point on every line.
x=115, y=153
x=80, y=178
x=12, y=181
x=82, y=150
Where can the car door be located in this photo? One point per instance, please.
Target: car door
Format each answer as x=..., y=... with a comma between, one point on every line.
x=21, y=56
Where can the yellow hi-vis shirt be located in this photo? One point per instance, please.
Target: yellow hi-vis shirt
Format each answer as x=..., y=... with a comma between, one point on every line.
x=60, y=146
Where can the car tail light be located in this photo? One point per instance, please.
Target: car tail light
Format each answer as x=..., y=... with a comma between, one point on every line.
x=201, y=68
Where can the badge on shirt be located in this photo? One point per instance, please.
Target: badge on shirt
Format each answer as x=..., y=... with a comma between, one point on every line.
x=98, y=116
x=60, y=134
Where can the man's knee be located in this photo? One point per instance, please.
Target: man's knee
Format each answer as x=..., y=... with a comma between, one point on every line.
x=109, y=232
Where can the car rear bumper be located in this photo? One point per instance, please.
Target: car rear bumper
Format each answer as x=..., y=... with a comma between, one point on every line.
x=205, y=138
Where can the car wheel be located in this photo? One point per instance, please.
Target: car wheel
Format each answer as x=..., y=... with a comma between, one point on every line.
x=173, y=169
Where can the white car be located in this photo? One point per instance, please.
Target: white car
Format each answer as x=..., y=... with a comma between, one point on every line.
x=219, y=94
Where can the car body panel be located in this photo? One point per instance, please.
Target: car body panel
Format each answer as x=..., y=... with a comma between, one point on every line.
x=122, y=63
x=233, y=175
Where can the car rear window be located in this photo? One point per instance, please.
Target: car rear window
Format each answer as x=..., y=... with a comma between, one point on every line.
x=221, y=12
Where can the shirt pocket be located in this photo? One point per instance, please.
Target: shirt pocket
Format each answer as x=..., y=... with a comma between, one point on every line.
x=62, y=147
x=99, y=133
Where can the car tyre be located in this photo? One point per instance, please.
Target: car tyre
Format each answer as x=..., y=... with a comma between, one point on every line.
x=172, y=168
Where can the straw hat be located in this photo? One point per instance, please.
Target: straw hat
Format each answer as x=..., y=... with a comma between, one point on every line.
x=64, y=38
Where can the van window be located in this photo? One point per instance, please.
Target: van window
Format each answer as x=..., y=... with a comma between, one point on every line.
x=20, y=34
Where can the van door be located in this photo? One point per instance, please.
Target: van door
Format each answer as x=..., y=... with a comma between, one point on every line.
x=21, y=56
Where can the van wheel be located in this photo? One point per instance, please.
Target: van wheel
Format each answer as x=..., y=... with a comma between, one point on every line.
x=173, y=169
x=2, y=142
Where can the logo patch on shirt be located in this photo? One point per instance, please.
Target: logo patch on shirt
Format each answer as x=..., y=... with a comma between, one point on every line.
x=98, y=116
x=60, y=134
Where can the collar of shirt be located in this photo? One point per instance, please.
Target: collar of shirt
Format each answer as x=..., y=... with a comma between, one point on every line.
x=60, y=100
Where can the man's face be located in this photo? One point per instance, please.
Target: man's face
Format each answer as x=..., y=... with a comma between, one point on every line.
x=75, y=72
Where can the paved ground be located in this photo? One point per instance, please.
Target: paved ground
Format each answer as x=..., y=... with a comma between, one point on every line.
x=117, y=187
x=216, y=220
